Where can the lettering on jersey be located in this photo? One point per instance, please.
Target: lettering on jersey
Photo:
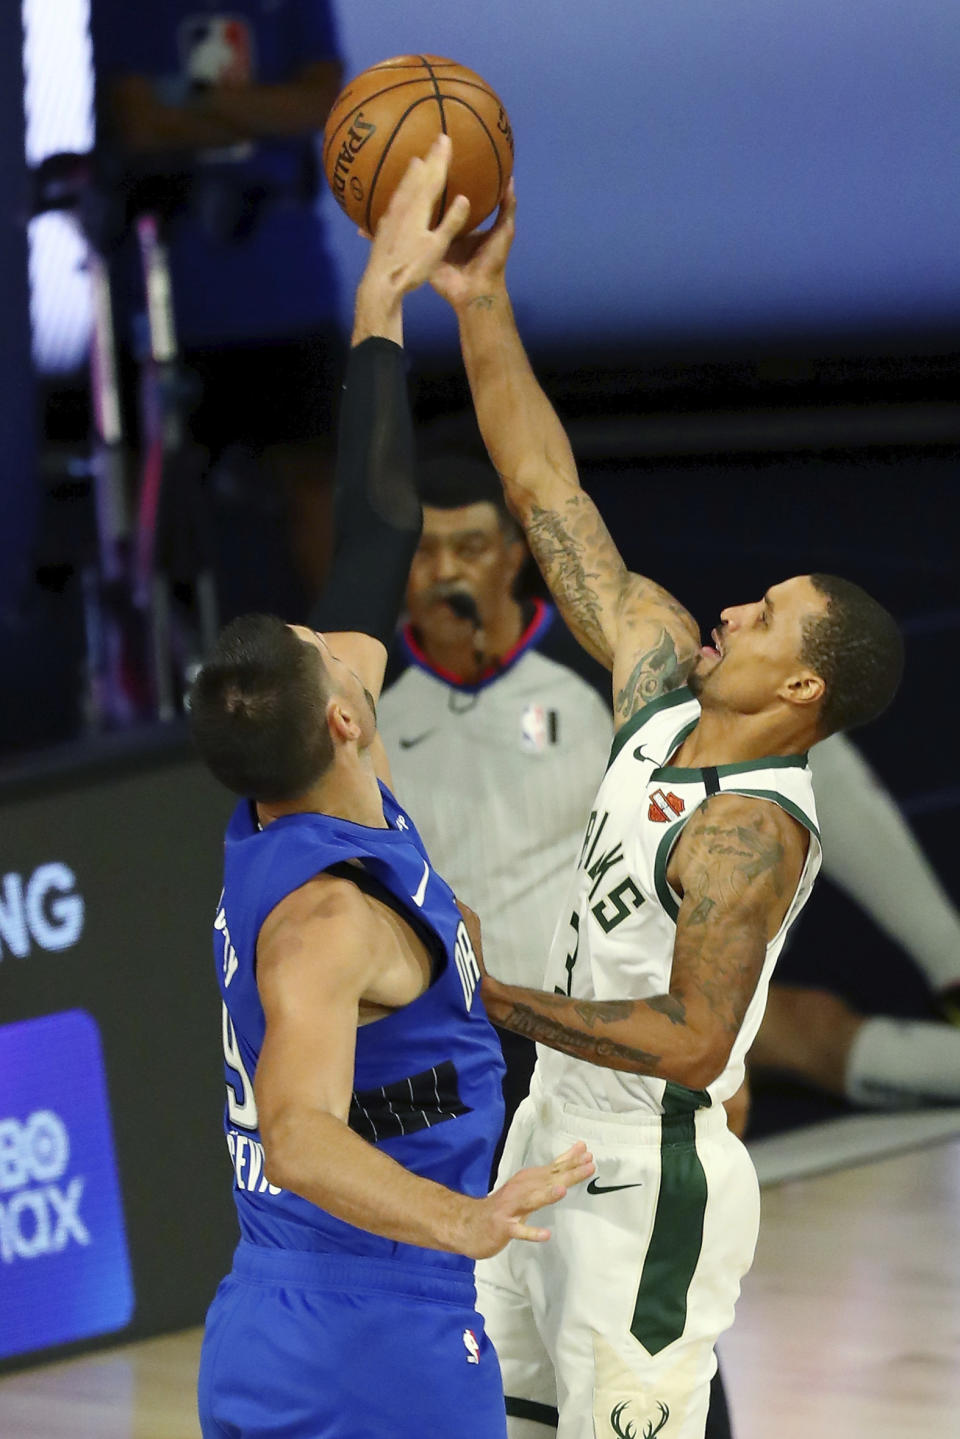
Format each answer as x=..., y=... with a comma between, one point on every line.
x=230, y=962
x=591, y=838
x=622, y=899
x=466, y=961
x=664, y=806
x=247, y=1156
x=605, y=861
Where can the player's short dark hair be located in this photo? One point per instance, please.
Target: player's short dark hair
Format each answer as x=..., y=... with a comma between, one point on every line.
x=258, y=710
x=857, y=650
x=449, y=479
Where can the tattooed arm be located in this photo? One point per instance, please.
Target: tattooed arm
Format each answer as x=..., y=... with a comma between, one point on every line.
x=737, y=866
x=628, y=623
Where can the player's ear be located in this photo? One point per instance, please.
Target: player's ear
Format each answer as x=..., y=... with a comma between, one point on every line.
x=341, y=721
x=802, y=689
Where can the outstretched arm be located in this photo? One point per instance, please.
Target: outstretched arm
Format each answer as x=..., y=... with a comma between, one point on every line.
x=377, y=511
x=321, y=951
x=629, y=623
x=737, y=866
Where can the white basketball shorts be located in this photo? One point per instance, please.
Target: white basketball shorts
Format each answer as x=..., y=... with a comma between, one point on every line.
x=607, y=1330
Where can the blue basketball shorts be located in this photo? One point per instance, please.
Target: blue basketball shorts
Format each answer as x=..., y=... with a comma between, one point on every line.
x=321, y=1346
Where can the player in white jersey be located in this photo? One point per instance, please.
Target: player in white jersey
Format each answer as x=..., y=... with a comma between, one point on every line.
x=700, y=851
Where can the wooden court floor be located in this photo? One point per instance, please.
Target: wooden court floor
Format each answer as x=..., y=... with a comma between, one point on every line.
x=848, y=1328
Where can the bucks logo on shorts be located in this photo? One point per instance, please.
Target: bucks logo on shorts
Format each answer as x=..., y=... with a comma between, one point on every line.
x=630, y=1432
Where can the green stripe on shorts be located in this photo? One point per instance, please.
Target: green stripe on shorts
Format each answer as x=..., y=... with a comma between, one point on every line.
x=660, y=1311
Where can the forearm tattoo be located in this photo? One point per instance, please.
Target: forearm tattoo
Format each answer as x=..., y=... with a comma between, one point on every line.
x=577, y=559
x=597, y=1049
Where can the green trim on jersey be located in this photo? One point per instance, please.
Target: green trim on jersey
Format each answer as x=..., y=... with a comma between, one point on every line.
x=777, y=798
x=788, y=761
x=661, y=860
x=660, y=1308
x=636, y=721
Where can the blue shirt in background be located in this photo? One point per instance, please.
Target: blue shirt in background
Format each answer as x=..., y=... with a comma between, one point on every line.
x=279, y=280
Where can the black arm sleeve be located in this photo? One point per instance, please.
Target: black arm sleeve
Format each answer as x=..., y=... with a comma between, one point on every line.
x=377, y=515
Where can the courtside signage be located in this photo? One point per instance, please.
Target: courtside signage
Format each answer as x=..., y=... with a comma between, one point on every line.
x=64, y=1267
x=43, y=909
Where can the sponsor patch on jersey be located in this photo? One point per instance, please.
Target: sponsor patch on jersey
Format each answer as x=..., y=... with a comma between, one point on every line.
x=64, y=1267
x=665, y=806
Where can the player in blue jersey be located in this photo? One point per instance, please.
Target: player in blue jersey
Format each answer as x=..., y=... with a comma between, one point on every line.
x=363, y=1078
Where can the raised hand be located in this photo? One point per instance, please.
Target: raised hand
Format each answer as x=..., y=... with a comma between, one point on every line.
x=502, y=1216
x=474, y=265
x=406, y=247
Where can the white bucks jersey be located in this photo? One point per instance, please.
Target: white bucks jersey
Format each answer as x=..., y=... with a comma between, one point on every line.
x=615, y=936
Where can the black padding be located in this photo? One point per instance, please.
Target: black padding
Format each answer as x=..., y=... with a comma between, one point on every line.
x=377, y=515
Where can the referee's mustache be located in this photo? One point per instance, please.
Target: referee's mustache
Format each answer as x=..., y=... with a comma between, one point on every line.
x=462, y=603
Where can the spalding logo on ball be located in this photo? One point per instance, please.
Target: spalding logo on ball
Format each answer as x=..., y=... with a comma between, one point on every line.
x=394, y=111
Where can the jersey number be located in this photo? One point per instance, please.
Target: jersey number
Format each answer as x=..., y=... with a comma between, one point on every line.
x=614, y=907
x=571, y=957
x=241, y=1105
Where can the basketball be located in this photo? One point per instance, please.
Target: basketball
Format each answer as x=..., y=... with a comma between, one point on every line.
x=395, y=110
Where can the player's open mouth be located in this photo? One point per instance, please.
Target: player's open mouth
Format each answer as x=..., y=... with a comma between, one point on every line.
x=714, y=651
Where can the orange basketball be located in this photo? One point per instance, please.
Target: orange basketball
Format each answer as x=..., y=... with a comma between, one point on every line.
x=395, y=110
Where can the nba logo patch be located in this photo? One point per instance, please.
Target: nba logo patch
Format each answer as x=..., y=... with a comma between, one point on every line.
x=217, y=51
x=538, y=728
x=471, y=1346
x=64, y=1268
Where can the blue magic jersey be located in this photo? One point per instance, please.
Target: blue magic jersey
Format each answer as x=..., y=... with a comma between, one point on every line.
x=427, y=1077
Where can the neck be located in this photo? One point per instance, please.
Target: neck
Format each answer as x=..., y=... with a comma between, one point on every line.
x=467, y=652
x=349, y=790
x=722, y=737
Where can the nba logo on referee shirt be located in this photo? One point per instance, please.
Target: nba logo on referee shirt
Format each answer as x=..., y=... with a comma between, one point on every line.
x=217, y=50
x=64, y=1269
x=538, y=728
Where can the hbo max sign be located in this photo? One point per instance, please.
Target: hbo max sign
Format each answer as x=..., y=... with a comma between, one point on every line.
x=40, y=1216
x=64, y=1266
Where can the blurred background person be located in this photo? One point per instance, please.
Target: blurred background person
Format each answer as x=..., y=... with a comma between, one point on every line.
x=873, y=856
x=223, y=104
